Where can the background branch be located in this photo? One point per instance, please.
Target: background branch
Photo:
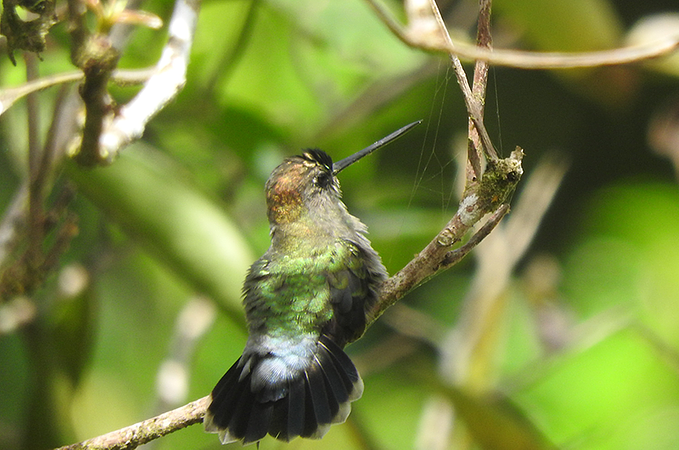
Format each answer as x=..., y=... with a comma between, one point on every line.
x=121, y=77
x=525, y=60
x=160, y=88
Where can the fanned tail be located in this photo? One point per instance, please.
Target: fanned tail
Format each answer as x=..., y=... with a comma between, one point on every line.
x=305, y=403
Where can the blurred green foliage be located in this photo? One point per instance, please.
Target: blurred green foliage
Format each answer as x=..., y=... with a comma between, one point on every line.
x=592, y=363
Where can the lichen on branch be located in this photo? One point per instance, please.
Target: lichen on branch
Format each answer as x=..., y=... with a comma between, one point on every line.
x=26, y=35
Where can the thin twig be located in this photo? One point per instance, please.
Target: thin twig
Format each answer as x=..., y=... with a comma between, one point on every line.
x=432, y=15
x=36, y=179
x=474, y=109
x=456, y=255
x=52, y=151
x=33, y=111
x=529, y=60
x=474, y=145
x=124, y=77
x=28, y=221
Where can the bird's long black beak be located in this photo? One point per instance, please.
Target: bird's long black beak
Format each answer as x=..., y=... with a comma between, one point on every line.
x=349, y=160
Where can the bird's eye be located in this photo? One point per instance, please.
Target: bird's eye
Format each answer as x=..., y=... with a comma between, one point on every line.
x=323, y=179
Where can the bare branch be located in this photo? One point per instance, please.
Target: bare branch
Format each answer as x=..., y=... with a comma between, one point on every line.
x=131, y=437
x=427, y=20
x=98, y=62
x=474, y=144
x=161, y=88
x=9, y=96
x=527, y=60
x=36, y=180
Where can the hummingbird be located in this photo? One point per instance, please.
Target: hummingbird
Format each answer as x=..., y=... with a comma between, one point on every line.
x=304, y=300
